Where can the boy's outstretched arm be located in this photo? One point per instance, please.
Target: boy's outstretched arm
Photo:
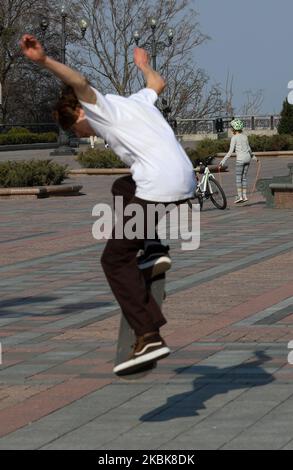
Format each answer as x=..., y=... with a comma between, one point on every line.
x=153, y=79
x=34, y=51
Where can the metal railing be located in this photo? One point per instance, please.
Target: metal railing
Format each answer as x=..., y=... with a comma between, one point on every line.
x=208, y=126
x=184, y=126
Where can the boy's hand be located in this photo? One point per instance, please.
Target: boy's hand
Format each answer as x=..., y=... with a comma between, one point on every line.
x=32, y=49
x=141, y=58
x=152, y=78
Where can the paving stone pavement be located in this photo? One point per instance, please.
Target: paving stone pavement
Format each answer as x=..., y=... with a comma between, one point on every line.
x=227, y=384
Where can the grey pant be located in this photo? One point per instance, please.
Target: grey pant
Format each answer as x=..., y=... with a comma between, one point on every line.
x=241, y=174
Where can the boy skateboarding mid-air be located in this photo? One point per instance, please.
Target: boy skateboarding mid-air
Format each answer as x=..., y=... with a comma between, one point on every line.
x=161, y=173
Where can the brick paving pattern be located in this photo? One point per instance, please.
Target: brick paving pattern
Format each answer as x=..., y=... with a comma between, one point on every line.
x=227, y=385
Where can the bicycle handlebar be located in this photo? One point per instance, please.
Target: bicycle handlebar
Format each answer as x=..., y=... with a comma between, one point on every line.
x=207, y=161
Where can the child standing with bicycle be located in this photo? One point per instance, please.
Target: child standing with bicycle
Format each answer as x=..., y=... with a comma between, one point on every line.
x=240, y=145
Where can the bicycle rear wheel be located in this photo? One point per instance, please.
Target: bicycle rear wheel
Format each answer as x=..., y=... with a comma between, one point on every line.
x=217, y=195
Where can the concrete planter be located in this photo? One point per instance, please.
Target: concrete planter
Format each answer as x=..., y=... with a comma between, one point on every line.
x=73, y=143
x=39, y=192
x=99, y=171
x=284, y=153
x=124, y=171
x=40, y=146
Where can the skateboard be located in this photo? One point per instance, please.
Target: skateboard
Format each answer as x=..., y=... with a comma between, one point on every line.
x=126, y=336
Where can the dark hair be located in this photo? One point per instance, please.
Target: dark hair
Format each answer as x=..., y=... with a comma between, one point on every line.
x=65, y=109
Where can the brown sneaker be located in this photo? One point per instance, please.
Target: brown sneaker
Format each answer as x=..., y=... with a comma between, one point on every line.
x=147, y=349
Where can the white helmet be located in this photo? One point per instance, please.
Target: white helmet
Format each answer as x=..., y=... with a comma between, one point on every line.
x=237, y=124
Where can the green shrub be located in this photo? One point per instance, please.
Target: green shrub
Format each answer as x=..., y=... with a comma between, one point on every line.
x=222, y=145
x=18, y=130
x=282, y=142
x=193, y=155
x=265, y=143
x=48, y=137
x=31, y=173
x=14, y=137
x=207, y=147
x=95, y=158
x=258, y=143
x=286, y=121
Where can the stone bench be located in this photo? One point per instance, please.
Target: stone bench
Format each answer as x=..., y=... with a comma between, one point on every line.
x=283, y=195
x=278, y=190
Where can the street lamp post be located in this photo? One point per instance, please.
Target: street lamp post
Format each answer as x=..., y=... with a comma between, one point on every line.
x=154, y=45
x=63, y=35
x=1, y=118
x=63, y=141
x=1, y=29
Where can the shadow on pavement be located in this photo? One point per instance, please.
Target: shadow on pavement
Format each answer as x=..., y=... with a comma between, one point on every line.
x=206, y=387
x=252, y=203
x=26, y=302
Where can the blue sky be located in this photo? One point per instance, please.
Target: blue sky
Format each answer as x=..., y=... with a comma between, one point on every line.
x=254, y=40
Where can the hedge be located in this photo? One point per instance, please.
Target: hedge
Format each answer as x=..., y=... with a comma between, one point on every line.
x=31, y=173
x=196, y=157
x=276, y=142
x=20, y=135
x=18, y=130
x=258, y=143
x=95, y=158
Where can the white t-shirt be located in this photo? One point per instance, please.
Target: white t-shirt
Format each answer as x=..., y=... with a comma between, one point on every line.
x=138, y=133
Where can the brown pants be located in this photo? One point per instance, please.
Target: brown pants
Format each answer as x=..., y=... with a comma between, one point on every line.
x=125, y=278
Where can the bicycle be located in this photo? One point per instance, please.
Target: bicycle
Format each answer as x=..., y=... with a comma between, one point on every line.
x=208, y=187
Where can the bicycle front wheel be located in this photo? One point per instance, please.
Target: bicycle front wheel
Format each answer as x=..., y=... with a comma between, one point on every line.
x=217, y=195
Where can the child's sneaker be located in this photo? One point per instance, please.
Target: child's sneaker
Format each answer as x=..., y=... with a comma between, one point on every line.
x=245, y=199
x=238, y=200
x=156, y=256
x=147, y=349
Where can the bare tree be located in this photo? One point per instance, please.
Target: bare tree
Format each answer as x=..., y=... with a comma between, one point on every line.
x=228, y=94
x=106, y=53
x=190, y=95
x=27, y=91
x=253, y=103
x=13, y=13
